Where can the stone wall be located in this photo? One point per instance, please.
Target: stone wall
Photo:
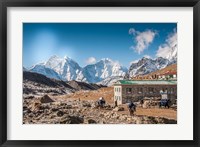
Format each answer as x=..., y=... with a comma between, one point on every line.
x=137, y=92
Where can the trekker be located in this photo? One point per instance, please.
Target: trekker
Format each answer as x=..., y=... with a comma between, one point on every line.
x=141, y=102
x=131, y=108
x=101, y=102
x=115, y=103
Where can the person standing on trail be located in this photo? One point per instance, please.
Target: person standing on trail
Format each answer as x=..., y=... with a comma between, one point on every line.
x=115, y=103
x=131, y=108
x=101, y=102
x=141, y=102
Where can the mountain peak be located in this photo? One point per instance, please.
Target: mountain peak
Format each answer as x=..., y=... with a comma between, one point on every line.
x=106, y=59
x=67, y=58
x=147, y=65
x=54, y=57
x=145, y=58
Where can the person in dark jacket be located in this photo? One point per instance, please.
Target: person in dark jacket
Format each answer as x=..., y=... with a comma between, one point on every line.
x=131, y=108
x=101, y=102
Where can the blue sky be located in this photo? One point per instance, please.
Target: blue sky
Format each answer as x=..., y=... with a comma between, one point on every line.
x=86, y=43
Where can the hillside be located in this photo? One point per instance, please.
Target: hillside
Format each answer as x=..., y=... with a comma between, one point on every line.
x=171, y=68
x=35, y=84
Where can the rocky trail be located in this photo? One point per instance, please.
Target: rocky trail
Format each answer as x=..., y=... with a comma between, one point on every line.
x=47, y=110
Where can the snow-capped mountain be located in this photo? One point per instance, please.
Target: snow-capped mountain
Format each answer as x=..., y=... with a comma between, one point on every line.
x=103, y=69
x=110, y=80
x=147, y=65
x=42, y=69
x=172, y=55
x=161, y=62
x=24, y=69
x=67, y=68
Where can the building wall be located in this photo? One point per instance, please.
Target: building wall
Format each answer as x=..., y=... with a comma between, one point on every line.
x=137, y=92
x=118, y=94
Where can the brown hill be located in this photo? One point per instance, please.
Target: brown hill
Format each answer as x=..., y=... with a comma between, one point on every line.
x=171, y=68
x=38, y=84
x=40, y=79
x=83, y=86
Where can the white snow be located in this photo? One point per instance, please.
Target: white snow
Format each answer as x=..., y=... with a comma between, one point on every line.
x=148, y=65
x=105, y=71
x=45, y=71
x=67, y=69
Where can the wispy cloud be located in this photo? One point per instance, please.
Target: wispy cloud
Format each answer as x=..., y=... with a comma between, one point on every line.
x=142, y=39
x=91, y=60
x=165, y=49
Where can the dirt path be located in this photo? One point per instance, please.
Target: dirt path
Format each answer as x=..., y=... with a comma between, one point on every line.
x=159, y=112
x=107, y=93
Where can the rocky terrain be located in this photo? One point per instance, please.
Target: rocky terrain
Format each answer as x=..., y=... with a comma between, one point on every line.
x=35, y=84
x=171, y=68
x=50, y=101
x=46, y=110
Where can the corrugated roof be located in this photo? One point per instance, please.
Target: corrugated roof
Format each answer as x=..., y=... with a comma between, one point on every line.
x=145, y=82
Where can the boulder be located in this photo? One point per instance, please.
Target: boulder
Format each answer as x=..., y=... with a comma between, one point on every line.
x=46, y=99
x=54, y=109
x=60, y=113
x=44, y=106
x=91, y=121
x=72, y=119
x=146, y=104
x=118, y=109
x=35, y=106
x=68, y=107
x=84, y=104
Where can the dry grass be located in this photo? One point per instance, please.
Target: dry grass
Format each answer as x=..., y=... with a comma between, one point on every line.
x=107, y=93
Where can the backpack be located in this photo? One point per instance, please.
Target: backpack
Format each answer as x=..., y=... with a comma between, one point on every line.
x=130, y=105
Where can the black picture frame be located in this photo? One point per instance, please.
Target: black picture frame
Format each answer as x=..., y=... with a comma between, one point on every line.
x=4, y=4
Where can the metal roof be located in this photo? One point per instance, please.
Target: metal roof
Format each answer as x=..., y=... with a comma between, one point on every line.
x=146, y=82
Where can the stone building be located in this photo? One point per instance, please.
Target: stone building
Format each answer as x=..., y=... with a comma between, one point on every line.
x=134, y=90
x=168, y=75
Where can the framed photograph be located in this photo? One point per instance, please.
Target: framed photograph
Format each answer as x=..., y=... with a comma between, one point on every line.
x=99, y=73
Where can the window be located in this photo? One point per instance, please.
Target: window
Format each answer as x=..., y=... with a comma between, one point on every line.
x=140, y=90
x=116, y=89
x=128, y=90
x=151, y=90
x=172, y=90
